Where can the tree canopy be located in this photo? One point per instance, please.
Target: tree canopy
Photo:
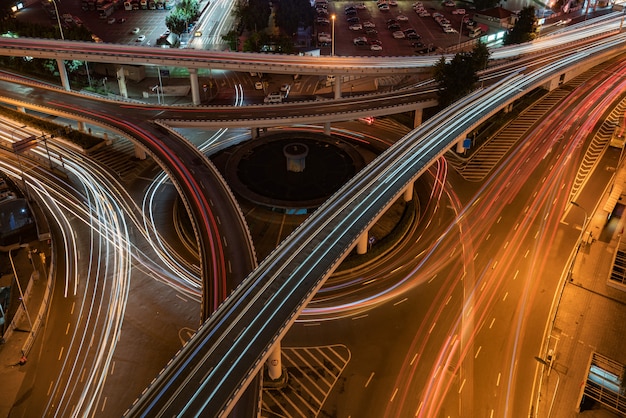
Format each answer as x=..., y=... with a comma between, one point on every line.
x=524, y=29
x=294, y=13
x=179, y=19
x=253, y=16
x=459, y=76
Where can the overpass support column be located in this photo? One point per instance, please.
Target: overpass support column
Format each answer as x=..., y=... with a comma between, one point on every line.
x=195, y=87
x=140, y=153
x=459, y=146
x=417, y=119
x=81, y=126
x=408, y=193
x=274, y=365
x=361, y=244
x=337, y=87
x=254, y=133
x=121, y=82
x=65, y=82
x=21, y=109
x=327, y=128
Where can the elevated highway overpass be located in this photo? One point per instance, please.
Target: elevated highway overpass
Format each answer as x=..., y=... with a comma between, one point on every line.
x=207, y=336
x=194, y=60
x=211, y=370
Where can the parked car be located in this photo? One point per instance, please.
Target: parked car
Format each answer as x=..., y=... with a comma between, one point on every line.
x=393, y=26
x=371, y=31
x=140, y=38
x=448, y=29
x=274, y=97
x=356, y=26
x=359, y=41
x=111, y=20
x=360, y=6
x=135, y=31
x=402, y=18
x=368, y=25
x=412, y=35
x=258, y=85
x=449, y=3
x=398, y=34
x=458, y=12
x=384, y=7
x=375, y=42
x=354, y=19
x=375, y=47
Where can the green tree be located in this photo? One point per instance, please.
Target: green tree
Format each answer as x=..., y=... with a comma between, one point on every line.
x=177, y=21
x=525, y=28
x=253, y=16
x=231, y=37
x=480, y=56
x=292, y=14
x=458, y=77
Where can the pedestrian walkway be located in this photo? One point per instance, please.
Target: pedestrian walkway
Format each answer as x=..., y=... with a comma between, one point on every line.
x=32, y=265
x=590, y=320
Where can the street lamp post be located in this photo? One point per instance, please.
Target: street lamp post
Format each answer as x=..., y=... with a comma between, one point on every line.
x=332, y=36
x=19, y=161
x=461, y=30
x=19, y=288
x=58, y=18
x=558, y=379
x=580, y=238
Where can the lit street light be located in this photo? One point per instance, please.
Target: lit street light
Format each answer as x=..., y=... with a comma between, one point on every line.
x=58, y=18
x=558, y=379
x=332, y=35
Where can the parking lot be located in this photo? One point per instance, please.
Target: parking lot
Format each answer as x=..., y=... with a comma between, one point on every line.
x=151, y=23
x=430, y=32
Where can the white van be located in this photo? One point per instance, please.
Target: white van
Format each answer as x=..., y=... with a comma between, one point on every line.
x=273, y=97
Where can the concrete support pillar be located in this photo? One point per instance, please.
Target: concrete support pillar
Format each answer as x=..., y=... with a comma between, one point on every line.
x=337, y=87
x=327, y=128
x=21, y=109
x=81, y=126
x=361, y=244
x=417, y=119
x=508, y=108
x=140, y=153
x=65, y=82
x=459, y=146
x=254, y=133
x=408, y=193
x=121, y=82
x=274, y=366
x=195, y=87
